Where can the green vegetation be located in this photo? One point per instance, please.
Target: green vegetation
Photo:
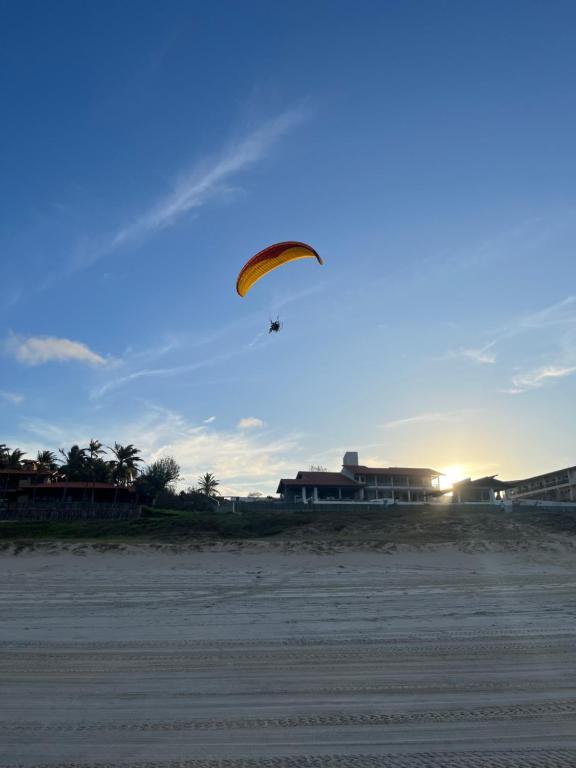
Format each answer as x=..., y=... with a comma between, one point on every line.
x=93, y=464
x=157, y=525
x=207, y=484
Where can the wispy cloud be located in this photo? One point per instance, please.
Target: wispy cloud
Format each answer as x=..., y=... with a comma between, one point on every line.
x=194, y=189
x=160, y=372
x=422, y=418
x=250, y=422
x=538, y=377
x=36, y=350
x=560, y=347
x=11, y=397
x=481, y=355
x=209, y=420
x=139, y=364
x=562, y=313
x=46, y=431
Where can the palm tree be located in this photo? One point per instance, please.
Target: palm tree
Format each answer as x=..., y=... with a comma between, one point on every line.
x=46, y=460
x=99, y=469
x=14, y=458
x=124, y=467
x=4, y=455
x=74, y=467
x=95, y=449
x=207, y=484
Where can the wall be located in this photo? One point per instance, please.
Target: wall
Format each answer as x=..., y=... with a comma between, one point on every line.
x=281, y=506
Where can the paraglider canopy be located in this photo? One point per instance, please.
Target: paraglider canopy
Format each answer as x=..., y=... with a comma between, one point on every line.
x=271, y=258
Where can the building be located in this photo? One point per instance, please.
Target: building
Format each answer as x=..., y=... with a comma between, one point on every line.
x=357, y=482
x=487, y=490
x=67, y=493
x=11, y=480
x=26, y=492
x=559, y=485
x=319, y=486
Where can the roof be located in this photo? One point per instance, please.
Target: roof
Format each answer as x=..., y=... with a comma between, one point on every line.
x=8, y=471
x=545, y=474
x=361, y=469
x=72, y=485
x=316, y=479
x=484, y=482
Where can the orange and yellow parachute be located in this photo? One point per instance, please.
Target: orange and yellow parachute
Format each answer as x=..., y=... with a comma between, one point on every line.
x=271, y=258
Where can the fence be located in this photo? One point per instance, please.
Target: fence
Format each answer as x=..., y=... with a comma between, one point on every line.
x=241, y=507
x=268, y=506
x=70, y=511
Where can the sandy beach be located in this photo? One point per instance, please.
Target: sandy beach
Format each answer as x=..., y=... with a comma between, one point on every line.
x=263, y=658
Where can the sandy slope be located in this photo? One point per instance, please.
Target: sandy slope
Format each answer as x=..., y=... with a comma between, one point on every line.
x=267, y=658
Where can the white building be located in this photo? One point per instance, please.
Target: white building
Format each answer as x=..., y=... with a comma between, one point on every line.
x=559, y=485
x=357, y=482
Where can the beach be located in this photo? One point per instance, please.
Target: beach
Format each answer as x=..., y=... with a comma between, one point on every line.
x=251, y=656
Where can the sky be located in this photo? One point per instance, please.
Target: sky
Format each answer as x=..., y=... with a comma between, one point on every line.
x=424, y=149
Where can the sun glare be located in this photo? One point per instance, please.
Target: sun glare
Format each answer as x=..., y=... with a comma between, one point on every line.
x=452, y=475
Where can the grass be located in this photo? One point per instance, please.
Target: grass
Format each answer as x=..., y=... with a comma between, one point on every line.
x=157, y=525
x=424, y=525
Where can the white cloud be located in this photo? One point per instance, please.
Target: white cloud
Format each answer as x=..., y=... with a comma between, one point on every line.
x=239, y=460
x=196, y=188
x=562, y=313
x=250, y=422
x=480, y=355
x=36, y=350
x=11, y=397
x=160, y=372
x=423, y=418
x=538, y=377
x=209, y=420
x=52, y=433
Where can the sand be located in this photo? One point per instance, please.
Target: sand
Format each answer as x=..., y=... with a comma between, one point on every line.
x=254, y=659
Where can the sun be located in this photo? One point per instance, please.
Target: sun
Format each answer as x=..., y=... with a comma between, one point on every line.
x=452, y=475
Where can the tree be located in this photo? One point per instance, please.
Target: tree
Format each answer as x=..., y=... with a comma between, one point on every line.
x=4, y=455
x=316, y=468
x=46, y=460
x=10, y=459
x=207, y=484
x=158, y=477
x=99, y=469
x=124, y=464
x=75, y=466
x=95, y=449
x=254, y=495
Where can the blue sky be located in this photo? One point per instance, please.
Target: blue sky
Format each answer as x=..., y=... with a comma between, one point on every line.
x=425, y=149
